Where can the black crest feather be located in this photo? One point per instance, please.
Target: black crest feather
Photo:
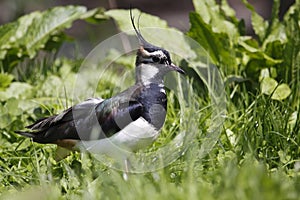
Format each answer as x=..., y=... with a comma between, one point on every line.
x=146, y=45
x=149, y=47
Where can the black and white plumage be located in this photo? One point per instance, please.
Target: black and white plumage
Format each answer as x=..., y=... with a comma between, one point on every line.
x=132, y=119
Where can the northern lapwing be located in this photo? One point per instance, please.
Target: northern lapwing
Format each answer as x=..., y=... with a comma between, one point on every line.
x=132, y=119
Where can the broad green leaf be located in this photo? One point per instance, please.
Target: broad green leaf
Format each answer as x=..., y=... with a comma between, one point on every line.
x=270, y=86
x=260, y=26
x=12, y=106
x=276, y=34
x=18, y=90
x=275, y=13
x=281, y=92
x=275, y=28
x=8, y=33
x=251, y=48
x=203, y=9
x=31, y=32
x=27, y=105
x=38, y=30
x=122, y=18
x=218, y=17
x=264, y=73
x=5, y=80
x=229, y=11
x=47, y=24
x=249, y=44
x=59, y=87
x=5, y=119
x=154, y=30
x=216, y=44
x=94, y=16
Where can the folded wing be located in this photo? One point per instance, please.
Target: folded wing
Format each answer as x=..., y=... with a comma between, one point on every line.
x=90, y=120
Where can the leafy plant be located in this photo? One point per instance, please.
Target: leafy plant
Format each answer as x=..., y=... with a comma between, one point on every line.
x=223, y=36
x=39, y=30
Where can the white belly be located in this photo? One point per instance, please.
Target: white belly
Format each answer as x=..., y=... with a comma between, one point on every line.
x=137, y=135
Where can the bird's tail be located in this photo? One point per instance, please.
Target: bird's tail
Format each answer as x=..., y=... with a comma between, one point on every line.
x=61, y=152
x=27, y=133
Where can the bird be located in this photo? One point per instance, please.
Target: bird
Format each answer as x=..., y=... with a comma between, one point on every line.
x=131, y=119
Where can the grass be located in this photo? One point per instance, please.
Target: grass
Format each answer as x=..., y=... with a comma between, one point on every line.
x=256, y=157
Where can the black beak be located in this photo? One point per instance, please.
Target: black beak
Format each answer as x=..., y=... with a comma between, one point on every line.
x=176, y=68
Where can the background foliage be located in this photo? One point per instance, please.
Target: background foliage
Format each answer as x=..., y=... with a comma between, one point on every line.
x=257, y=155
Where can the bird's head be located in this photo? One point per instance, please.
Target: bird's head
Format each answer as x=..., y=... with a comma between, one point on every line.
x=152, y=62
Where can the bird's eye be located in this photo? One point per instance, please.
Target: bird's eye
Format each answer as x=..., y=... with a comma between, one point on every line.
x=155, y=59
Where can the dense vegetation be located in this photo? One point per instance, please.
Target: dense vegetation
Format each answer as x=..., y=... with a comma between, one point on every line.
x=256, y=155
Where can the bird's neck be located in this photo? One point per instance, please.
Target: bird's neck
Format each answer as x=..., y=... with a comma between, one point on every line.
x=148, y=74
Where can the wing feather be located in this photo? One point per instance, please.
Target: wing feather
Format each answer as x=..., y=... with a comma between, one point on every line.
x=78, y=122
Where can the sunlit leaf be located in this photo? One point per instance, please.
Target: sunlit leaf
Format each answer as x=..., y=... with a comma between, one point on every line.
x=221, y=17
x=281, y=92
x=49, y=22
x=32, y=32
x=203, y=9
x=270, y=86
x=5, y=80
x=18, y=90
x=154, y=30
x=122, y=18
x=216, y=44
x=259, y=24
x=12, y=106
x=94, y=16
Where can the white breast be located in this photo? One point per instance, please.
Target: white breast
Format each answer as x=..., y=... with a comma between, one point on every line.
x=136, y=135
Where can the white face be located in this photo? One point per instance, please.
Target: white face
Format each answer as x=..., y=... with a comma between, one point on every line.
x=149, y=73
x=152, y=67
